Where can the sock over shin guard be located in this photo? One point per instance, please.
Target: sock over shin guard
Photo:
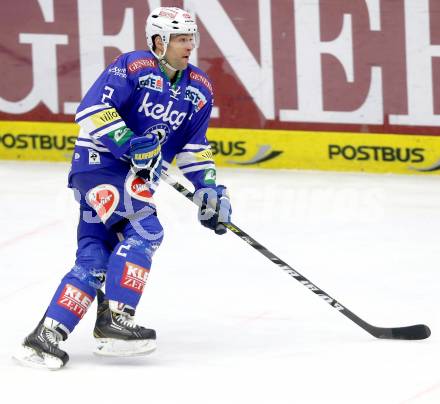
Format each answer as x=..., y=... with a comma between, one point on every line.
x=130, y=261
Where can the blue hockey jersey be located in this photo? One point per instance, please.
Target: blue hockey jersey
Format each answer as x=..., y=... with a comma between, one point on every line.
x=133, y=97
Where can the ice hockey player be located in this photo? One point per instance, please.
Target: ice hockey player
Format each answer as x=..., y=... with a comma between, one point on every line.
x=144, y=110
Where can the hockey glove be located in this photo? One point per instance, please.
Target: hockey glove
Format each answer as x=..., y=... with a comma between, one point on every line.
x=146, y=157
x=214, y=208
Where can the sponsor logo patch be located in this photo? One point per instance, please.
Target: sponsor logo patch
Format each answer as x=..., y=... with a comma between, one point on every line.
x=75, y=300
x=141, y=64
x=138, y=188
x=210, y=176
x=168, y=12
x=105, y=117
x=202, y=79
x=118, y=71
x=152, y=82
x=103, y=199
x=120, y=136
x=134, y=277
x=94, y=157
x=204, y=155
x=195, y=97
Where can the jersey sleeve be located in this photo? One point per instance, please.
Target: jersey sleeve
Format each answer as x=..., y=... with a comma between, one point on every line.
x=99, y=111
x=195, y=160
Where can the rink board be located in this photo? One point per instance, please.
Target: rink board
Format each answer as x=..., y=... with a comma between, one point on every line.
x=334, y=151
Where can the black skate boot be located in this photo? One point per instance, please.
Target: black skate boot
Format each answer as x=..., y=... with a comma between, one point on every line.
x=117, y=334
x=40, y=347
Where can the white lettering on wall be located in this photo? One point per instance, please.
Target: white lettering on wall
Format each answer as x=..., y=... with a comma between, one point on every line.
x=309, y=49
x=374, y=14
x=257, y=78
x=92, y=42
x=47, y=10
x=44, y=68
x=419, y=55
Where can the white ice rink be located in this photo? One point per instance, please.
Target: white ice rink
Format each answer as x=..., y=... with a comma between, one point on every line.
x=232, y=327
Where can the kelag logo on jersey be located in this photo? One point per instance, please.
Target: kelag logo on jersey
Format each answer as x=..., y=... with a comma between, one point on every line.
x=195, y=97
x=161, y=113
x=152, y=82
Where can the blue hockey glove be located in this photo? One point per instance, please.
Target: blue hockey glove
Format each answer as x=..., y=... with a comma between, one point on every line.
x=146, y=157
x=214, y=208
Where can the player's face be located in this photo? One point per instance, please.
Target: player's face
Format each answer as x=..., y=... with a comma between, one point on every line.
x=179, y=50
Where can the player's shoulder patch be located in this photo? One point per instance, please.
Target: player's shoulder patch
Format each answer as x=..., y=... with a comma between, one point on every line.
x=198, y=76
x=138, y=61
x=118, y=67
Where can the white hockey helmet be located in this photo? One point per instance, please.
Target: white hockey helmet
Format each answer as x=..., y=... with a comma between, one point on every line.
x=166, y=21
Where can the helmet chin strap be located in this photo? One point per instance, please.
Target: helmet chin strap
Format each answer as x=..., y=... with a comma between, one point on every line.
x=163, y=61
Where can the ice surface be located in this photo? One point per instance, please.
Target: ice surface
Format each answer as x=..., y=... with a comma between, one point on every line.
x=232, y=327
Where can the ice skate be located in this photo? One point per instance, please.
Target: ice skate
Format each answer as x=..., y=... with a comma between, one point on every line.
x=117, y=334
x=40, y=348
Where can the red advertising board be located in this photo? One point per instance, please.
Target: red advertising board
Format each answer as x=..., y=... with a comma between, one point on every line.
x=334, y=65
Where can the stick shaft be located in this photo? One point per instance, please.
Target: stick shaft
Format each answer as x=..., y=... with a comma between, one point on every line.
x=411, y=332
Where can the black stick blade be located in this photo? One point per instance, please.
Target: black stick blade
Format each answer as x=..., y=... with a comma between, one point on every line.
x=412, y=332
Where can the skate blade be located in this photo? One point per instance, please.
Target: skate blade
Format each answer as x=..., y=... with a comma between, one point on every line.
x=27, y=356
x=115, y=347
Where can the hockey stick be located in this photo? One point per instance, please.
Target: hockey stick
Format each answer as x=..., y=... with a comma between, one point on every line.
x=412, y=332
